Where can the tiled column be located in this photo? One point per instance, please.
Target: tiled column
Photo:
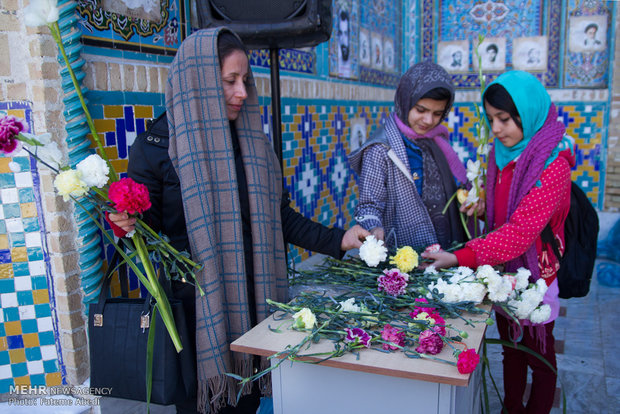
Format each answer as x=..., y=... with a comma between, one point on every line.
x=42, y=335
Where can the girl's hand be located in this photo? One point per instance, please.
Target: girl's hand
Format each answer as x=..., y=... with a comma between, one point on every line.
x=478, y=208
x=378, y=233
x=441, y=260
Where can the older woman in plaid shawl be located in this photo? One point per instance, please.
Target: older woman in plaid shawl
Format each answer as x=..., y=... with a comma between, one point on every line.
x=236, y=217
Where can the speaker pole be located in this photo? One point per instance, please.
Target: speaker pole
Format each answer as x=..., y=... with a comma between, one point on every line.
x=275, y=105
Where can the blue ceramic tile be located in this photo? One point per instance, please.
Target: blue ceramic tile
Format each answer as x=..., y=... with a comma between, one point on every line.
x=17, y=239
x=37, y=380
x=11, y=314
x=34, y=254
x=19, y=370
x=29, y=326
x=7, y=285
x=34, y=354
x=121, y=138
x=26, y=195
x=23, y=162
x=110, y=139
x=129, y=120
x=2, y=227
x=24, y=297
x=15, y=341
x=50, y=366
x=46, y=338
x=31, y=224
x=42, y=310
x=2, y=331
x=11, y=210
x=5, y=385
x=5, y=256
x=7, y=180
x=4, y=358
x=39, y=282
x=20, y=269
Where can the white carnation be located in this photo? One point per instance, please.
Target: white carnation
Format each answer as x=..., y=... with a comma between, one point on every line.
x=541, y=286
x=350, y=306
x=541, y=314
x=473, y=292
x=522, y=276
x=373, y=251
x=485, y=271
x=430, y=270
x=499, y=287
x=94, y=171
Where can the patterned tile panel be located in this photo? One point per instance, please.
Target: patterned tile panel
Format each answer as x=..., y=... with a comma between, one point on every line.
x=28, y=350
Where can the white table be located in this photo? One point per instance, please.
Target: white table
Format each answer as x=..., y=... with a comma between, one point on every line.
x=376, y=382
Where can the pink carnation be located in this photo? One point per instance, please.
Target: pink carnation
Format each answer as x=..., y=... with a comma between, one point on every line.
x=357, y=336
x=430, y=343
x=419, y=309
x=130, y=196
x=468, y=361
x=440, y=324
x=10, y=127
x=392, y=334
x=433, y=248
x=393, y=282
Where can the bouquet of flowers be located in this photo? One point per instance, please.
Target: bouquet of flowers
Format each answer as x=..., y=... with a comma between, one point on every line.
x=94, y=179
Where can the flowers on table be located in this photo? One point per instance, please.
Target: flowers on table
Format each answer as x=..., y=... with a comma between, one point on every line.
x=350, y=306
x=393, y=282
x=406, y=259
x=304, y=319
x=467, y=361
x=372, y=251
x=394, y=339
x=357, y=337
x=430, y=343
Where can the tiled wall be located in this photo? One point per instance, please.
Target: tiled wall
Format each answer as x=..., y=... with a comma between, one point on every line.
x=28, y=353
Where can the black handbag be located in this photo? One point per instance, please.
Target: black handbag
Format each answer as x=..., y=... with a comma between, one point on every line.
x=118, y=332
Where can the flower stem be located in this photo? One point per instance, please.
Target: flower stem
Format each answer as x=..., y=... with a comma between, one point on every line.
x=55, y=30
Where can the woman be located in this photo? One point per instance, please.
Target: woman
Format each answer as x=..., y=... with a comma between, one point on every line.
x=408, y=170
x=528, y=188
x=219, y=194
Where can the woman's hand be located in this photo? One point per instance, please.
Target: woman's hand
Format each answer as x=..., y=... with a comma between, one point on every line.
x=123, y=220
x=353, y=238
x=441, y=260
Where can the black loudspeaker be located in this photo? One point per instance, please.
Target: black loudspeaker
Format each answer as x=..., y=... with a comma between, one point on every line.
x=270, y=24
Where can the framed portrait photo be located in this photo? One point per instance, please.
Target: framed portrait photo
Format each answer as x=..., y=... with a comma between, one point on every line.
x=454, y=55
x=587, y=34
x=492, y=52
x=530, y=53
x=376, y=55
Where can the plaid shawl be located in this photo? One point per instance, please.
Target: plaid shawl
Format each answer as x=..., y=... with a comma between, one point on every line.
x=202, y=154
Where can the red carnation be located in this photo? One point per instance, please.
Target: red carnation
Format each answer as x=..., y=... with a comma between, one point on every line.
x=468, y=361
x=130, y=196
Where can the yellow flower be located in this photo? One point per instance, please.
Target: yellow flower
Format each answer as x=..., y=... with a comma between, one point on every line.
x=461, y=195
x=406, y=259
x=304, y=319
x=69, y=183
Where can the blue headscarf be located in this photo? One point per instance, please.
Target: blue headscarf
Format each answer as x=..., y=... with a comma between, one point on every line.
x=532, y=102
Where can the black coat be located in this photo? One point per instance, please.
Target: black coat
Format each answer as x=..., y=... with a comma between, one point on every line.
x=150, y=165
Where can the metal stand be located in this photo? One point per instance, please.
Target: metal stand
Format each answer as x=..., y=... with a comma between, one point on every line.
x=276, y=123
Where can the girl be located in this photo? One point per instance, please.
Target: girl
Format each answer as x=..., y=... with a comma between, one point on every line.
x=408, y=171
x=528, y=188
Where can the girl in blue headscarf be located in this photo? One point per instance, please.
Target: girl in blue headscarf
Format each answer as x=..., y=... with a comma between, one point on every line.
x=528, y=189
